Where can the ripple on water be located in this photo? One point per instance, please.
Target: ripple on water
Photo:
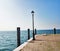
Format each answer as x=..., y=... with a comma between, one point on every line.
x=4, y=49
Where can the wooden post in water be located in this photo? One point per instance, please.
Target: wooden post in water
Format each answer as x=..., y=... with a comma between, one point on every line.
x=35, y=32
x=18, y=36
x=28, y=34
x=54, y=30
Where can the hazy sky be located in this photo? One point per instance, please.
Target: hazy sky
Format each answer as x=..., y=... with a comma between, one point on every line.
x=14, y=13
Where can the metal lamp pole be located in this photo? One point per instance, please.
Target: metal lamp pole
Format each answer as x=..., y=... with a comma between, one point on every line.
x=33, y=24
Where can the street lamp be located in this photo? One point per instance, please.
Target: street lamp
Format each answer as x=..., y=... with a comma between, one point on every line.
x=33, y=24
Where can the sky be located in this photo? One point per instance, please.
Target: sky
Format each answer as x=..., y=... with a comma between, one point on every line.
x=17, y=13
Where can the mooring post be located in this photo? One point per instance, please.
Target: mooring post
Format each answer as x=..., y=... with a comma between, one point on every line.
x=18, y=36
x=28, y=34
x=54, y=30
x=35, y=32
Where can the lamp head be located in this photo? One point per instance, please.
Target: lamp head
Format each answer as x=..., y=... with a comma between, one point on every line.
x=32, y=12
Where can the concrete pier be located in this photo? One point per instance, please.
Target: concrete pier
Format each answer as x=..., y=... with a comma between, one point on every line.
x=43, y=42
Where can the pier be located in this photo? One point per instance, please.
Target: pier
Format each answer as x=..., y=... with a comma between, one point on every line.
x=42, y=42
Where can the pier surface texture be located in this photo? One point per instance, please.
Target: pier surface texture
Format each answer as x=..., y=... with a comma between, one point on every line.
x=44, y=42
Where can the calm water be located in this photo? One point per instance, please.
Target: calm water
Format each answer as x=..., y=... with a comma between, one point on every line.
x=8, y=40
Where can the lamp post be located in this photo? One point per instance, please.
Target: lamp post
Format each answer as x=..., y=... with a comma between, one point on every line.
x=33, y=24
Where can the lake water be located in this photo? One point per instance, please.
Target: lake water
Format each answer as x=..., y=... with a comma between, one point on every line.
x=8, y=39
